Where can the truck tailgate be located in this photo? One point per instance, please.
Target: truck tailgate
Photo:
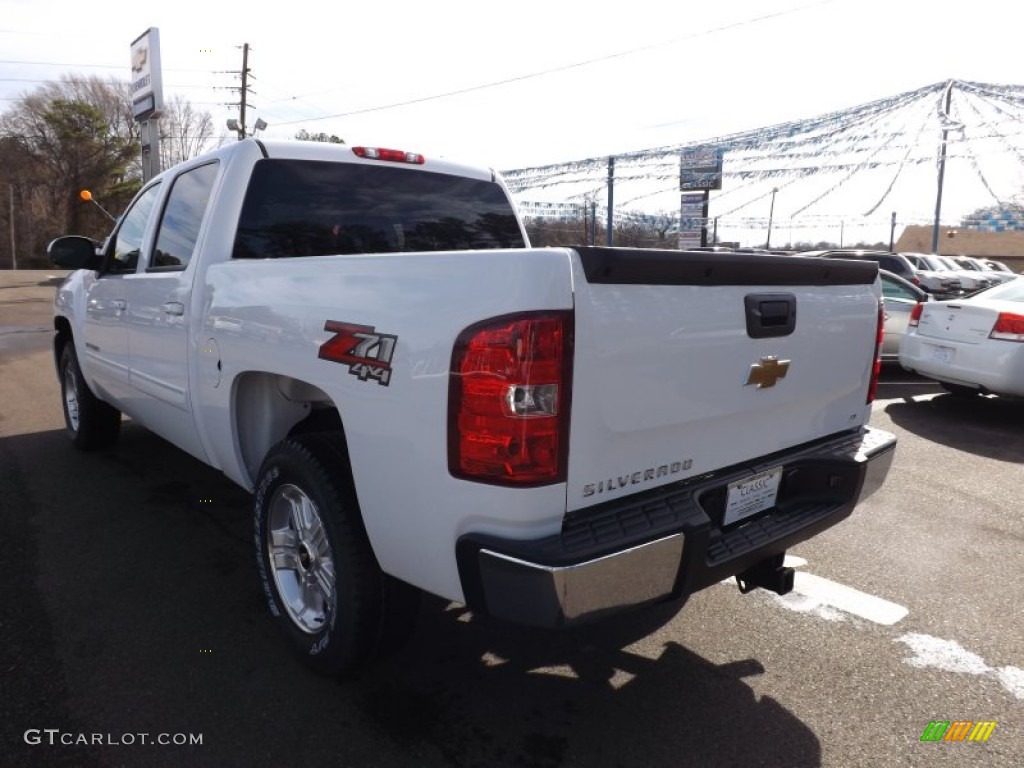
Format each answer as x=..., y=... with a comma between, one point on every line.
x=687, y=363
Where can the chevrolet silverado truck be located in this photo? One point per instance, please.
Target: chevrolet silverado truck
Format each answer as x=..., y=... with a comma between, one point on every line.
x=419, y=401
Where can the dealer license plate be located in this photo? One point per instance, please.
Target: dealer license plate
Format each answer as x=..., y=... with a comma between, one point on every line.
x=752, y=495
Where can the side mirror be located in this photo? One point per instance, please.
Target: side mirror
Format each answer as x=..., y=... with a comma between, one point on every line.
x=74, y=252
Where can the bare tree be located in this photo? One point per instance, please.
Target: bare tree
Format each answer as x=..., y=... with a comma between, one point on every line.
x=185, y=132
x=74, y=133
x=61, y=138
x=304, y=135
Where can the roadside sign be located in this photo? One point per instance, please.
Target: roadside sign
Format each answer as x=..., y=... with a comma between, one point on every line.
x=701, y=168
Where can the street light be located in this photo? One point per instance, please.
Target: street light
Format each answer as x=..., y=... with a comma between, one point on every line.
x=233, y=125
x=771, y=215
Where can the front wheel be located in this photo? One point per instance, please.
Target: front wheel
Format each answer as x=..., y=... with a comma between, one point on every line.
x=321, y=580
x=90, y=423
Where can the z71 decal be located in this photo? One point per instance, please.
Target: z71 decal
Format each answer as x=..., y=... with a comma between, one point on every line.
x=366, y=353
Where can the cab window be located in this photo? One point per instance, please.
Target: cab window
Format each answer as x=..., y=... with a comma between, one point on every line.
x=123, y=252
x=311, y=208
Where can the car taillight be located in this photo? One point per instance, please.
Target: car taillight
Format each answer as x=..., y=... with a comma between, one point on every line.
x=876, y=368
x=915, y=315
x=391, y=155
x=508, y=400
x=1008, y=327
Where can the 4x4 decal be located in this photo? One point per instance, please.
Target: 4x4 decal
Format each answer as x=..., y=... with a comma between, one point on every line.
x=366, y=353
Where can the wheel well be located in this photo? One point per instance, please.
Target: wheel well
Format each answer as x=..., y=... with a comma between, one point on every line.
x=269, y=407
x=63, y=336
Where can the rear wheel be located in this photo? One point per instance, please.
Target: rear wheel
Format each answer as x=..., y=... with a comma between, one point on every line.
x=91, y=423
x=322, y=582
x=958, y=390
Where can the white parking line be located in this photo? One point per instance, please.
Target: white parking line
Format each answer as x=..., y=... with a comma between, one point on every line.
x=847, y=599
x=950, y=656
x=830, y=599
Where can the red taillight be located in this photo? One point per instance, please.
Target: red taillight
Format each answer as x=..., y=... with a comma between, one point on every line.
x=508, y=400
x=876, y=369
x=1008, y=327
x=391, y=155
x=915, y=314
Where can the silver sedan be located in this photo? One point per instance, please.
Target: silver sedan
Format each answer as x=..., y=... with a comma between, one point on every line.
x=900, y=297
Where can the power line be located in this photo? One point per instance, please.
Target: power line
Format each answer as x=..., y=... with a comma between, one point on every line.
x=91, y=66
x=554, y=70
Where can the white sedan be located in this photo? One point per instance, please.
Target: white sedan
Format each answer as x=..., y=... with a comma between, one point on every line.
x=970, y=346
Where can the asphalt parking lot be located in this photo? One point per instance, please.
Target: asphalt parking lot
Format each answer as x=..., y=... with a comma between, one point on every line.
x=131, y=607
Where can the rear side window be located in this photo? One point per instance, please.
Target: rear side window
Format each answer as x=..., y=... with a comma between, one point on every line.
x=183, y=215
x=312, y=208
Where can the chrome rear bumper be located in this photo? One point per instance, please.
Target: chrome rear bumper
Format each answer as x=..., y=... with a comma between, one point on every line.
x=668, y=543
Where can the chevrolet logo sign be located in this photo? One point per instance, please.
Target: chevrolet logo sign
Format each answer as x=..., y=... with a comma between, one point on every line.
x=767, y=372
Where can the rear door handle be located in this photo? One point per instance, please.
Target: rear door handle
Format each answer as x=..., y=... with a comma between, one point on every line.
x=173, y=308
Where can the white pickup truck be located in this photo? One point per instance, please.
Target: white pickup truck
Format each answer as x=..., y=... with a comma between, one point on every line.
x=419, y=400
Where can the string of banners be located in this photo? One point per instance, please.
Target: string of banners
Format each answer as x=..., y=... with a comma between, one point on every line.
x=884, y=138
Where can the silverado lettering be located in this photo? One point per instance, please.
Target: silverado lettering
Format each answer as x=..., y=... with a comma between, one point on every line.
x=614, y=483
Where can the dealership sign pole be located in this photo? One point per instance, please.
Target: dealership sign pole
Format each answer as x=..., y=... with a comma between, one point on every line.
x=700, y=168
x=148, y=98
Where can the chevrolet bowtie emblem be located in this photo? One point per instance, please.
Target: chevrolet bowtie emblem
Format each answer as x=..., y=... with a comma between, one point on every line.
x=767, y=372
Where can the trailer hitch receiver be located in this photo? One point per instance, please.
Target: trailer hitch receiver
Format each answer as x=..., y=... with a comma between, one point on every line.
x=768, y=574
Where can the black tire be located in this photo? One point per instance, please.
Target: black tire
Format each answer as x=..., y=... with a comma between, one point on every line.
x=91, y=423
x=321, y=580
x=958, y=390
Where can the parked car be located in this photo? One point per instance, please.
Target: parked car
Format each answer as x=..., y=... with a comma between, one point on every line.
x=977, y=265
x=420, y=401
x=901, y=298
x=897, y=264
x=942, y=284
x=971, y=346
x=999, y=266
x=970, y=280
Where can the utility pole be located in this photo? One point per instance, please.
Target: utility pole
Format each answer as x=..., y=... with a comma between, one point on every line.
x=14, y=257
x=245, y=87
x=942, y=168
x=704, y=220
x=238, y=126
x=892, y=231
x=611, y=197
